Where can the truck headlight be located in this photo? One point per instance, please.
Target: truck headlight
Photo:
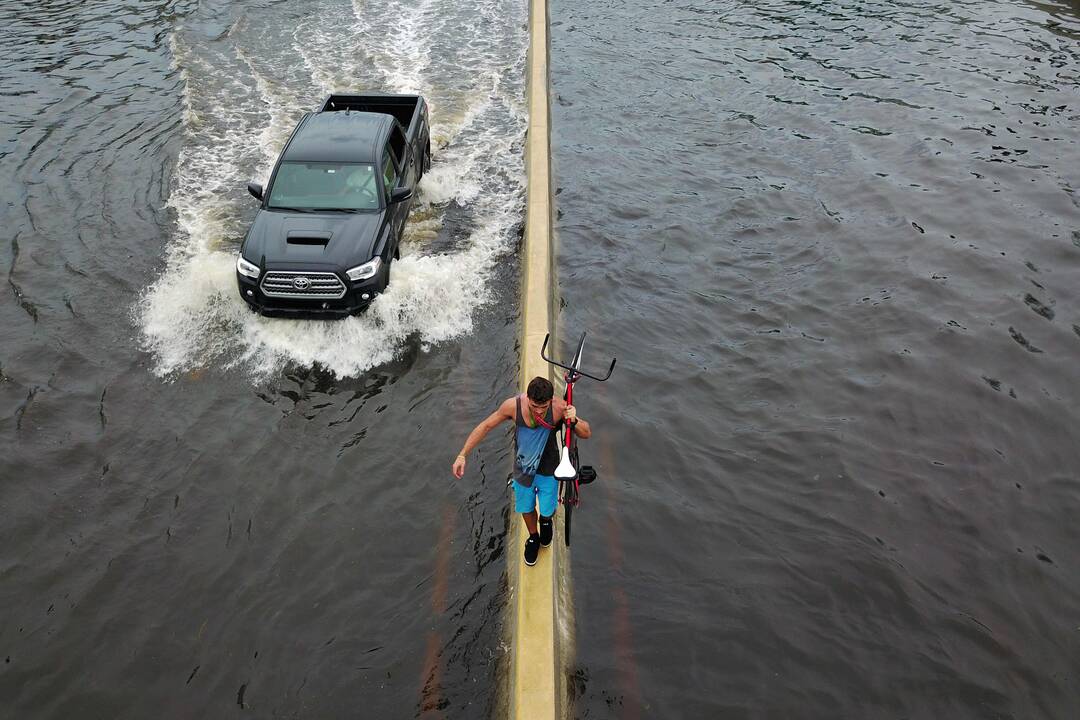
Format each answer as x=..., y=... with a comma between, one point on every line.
x=368, y=270
x=247, y=269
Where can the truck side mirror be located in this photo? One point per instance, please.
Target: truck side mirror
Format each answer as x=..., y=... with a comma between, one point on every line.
x=399, y=194
x=256, y=190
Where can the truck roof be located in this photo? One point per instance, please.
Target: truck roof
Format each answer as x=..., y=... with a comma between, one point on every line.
x=339, y=137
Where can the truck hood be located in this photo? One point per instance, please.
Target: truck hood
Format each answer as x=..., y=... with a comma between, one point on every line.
x=332, y=241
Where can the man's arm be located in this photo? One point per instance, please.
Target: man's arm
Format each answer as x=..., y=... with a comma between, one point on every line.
x=581, y=428
x=505, y=412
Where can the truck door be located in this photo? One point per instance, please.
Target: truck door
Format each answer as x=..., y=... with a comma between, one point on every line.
x=404, y=155
x=396, y=212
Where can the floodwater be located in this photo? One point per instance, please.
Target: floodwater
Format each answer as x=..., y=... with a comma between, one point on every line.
x=836, y=249
x=204, y=512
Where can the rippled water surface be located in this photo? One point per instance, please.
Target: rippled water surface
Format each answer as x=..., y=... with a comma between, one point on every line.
x=836, y=248
x=204, y=512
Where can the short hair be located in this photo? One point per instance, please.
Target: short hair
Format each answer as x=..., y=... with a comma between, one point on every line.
x=540, y=389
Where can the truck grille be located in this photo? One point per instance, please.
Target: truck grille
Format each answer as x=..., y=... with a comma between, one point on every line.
x=314, y=285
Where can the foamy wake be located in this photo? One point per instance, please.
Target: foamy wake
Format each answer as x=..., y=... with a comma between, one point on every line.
x=237, y=116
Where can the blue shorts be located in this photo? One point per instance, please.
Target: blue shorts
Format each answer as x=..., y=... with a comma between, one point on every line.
x=545, y=488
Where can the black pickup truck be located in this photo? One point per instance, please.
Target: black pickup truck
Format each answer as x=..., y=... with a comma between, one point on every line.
x=332, y=216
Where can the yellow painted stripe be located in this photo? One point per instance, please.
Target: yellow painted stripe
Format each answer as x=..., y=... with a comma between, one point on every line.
x=536, y=674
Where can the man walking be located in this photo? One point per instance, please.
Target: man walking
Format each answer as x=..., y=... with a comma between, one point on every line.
x=537, y=416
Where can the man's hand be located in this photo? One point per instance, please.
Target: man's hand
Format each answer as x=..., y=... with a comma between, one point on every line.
x=459, y=467
x=581, y=427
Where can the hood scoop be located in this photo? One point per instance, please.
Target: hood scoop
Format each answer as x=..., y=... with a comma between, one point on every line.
x=308, y=237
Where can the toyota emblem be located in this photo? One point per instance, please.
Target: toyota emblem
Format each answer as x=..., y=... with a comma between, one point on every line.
x=301, y=283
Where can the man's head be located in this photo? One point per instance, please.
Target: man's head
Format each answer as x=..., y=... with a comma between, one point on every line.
x=540, y=392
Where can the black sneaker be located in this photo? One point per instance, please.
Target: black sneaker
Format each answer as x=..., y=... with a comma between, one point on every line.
x=532, y=550
x=547, y=529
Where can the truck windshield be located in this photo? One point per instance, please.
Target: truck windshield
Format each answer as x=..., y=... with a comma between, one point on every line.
x=325, y=186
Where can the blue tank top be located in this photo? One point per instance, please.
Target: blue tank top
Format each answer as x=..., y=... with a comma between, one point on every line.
x=530, y=442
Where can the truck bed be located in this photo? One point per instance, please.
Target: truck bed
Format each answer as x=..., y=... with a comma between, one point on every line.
x=405, y=108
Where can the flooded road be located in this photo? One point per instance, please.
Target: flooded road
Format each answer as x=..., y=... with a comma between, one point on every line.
x=836, y=249
x=205, y=511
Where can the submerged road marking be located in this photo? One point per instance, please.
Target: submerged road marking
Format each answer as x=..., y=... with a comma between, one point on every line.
x=431, y=699
x=625, y=666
